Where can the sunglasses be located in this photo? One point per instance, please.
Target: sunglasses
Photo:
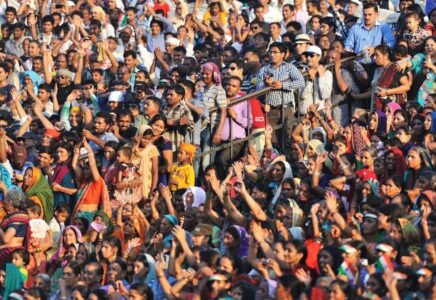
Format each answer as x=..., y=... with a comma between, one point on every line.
x=61, y=76
x=309, y=54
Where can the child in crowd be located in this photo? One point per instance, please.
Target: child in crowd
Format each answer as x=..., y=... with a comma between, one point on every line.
x=40, y=238
x=127, y=181
x=20, y=259
x=57, y=226
x=415, y=34
x=182, y=173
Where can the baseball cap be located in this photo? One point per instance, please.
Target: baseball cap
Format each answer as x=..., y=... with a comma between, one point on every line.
x=116, y=96
x=302, y=39
x=314, y=50
x=20, y=154
x=202, y=230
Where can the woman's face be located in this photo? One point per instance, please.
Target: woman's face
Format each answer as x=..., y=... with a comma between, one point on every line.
x=417, y=126
x=62, y=155
x=367, y=160
x=108, y=251
x=139, y=269
x=379, y=166
x=398, y=120
x=369, y=226
x=391, y=189
x=229, y=240
x=158, y=128
x=128, y=228
x=379, y=58
x=347, y=133
x=76, y=119
x=311, y=166
x=325, y=259
x=430, y=47
x=291, y=255
x=81, y=255
x=165, y=226
x=3, y=75
x=403, y=136
x=390, y=161
x=277, y=172
x=75, y=295
x=207, y=76
x=70, y=236
x=225, y=264
x=395, y=233
x=427, y=122
x=27, y=179
x=429, y=254
x=372, y=285
x=295, y=152
x=127, y=210
x=413, y=160
x=278, y=249
x=109, y=153
x=189, y=199
x=115, y=272
x=310, y=151
x=373, y=122
x=366, y=190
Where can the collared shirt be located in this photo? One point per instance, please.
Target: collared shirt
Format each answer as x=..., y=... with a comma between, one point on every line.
x=291, y=79
x=359, y=37
x=235, y=128
x=177, y=132
x=215, y=96
x=316, y=92
x=15, y=47
x=107, y=136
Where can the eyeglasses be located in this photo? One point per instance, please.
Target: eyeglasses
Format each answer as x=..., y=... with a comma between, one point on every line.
x=274, y=52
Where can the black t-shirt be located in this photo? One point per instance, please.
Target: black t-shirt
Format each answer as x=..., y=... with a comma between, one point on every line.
x=129, y=133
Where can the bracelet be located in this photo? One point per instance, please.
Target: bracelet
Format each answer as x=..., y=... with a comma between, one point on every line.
x=316, y=173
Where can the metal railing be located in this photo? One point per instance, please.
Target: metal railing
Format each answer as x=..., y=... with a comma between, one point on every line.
x=255, y=94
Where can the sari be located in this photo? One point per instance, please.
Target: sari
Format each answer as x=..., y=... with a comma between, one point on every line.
x=389, y=78
x=40, y=192
x=19, y=221
x=63, y=175
x=91, y=197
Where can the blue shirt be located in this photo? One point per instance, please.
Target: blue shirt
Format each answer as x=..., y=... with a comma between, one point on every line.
x=360, y=37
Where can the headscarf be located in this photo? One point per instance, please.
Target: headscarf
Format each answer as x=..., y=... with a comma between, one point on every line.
x=287, y=174
x=171, y=219
x=199, y=196
x=381, y=122
x=393, y=106
x=430, y=196
x=189, y=149
x=40, y=188
x=63, y=246
x=151, y=275
x=216, y=74
x=243, y=238
x=35, y=79
x=316, y=145
x=297, y=212
x=399, y=161
x=433, y=122
x=322, y=132
x=374, y=185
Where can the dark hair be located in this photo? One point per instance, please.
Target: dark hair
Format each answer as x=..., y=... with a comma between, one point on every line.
x=74, y=266
x=397, y=180
x=11, y=9
x=385, y=50
x=128, y=53
x=95, y=22
x=344, y=286
x=159, y=117
x=328, y=21
x=24, y=254
x=178, y=89
x=188, y=84
x=370, y=5
x=180, y=49
x=248, y=289
x=62, y=207
x=278, y=45
x=158, y=22
x=67, y=146
x=48, y=18
x=143, y=289
x=82, y=289
x=104, y=115
x=114, y=242
x=235, y=260
x=5, y=67
x=297, y=25
x=300, y=247
x=37, y=292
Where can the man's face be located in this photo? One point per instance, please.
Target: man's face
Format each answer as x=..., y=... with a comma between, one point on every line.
x=259, y=12
x=100, y=125
x=43, y=95
x=324, y=28
x=123, y=74
x=155, y=29
x=313, y=59
x=173, y=98
x=332, y=56
x=404, y=5
x=227, y=56
x=369, y=16
x=150, y=108
x=276, y=57
x=287, y=12
x=10, y=17
x=275, y=30
x=37, y=65
x=34, y=49
x=130, y=62
x=234, y=70
x=47, y=27
x=178, y=57
x=90, y=276
x=301, y=47
x=124, y=122
x=18, y=33
x=94, y=30
x=232, y=88
x=61, y=62
x=259, y=42
x=131, y=16
x=97, y=77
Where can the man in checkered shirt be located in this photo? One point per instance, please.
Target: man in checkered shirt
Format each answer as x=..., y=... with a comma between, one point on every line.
x=285, y=79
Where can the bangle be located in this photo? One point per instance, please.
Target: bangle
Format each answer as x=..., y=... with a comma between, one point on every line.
x=316, y=173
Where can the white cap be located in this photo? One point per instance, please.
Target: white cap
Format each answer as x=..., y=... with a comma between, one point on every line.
x=172, y=41
x=116, y=96
x=357, y=2
x=314, y=50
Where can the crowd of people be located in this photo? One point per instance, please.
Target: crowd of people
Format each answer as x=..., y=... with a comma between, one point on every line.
x=117, y=181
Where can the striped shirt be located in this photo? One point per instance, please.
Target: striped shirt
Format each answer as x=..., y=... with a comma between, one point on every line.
x=291, y=79
x=215, y=96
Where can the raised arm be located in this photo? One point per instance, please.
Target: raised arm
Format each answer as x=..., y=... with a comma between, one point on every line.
x=91, y=160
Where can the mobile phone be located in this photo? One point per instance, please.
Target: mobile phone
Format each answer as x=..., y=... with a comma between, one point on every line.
x=59, y=6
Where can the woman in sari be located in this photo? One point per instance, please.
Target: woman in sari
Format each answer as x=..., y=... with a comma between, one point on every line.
x=164, y=146
x=388, y=85
x=13, y=229
x=37, y=188
x=93, y=194
x=132, y=230
x=62, y=180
